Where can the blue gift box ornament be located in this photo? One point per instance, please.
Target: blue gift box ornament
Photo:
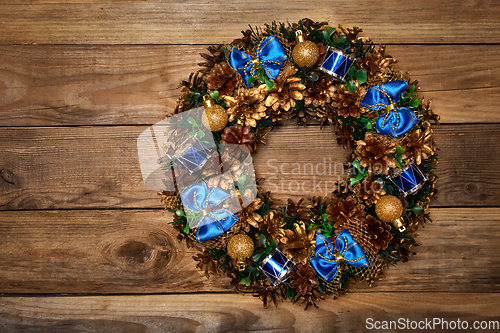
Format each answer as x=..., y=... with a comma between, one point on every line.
x=336, y=63
x=409, y=179
x=397, y=120
x=202, y=208
x=328, y=257
x=277, y=267
x=193, y=154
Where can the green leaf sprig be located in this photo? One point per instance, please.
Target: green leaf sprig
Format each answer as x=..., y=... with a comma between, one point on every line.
x=362, y=172
x=353, y=76
x=398, y=156
x=260, y=75
x=340, y=43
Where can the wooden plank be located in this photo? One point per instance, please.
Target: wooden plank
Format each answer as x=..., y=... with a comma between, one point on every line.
x=136, y=251
x=122, y=84
x=97, y=252
x=197, y=22
x=97, y=167
x=231, y=313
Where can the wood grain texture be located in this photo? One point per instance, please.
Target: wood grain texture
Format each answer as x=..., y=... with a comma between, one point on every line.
x=97, y=252
x=233, y=313
x=97, y=167
x=71, y=64
x=60, y=85
x=196, y=22
x=136, y=251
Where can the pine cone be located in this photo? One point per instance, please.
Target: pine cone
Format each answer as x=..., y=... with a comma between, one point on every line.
x=341, y=210
x=419, y=144
x=351, y=34
x=309, y=25
x=318, y=204
x=320, y=92
x=222, y=78
x=206, y=263
x=377, y=65
x=380, y=233
x=287, y=90
x=373, y=152
x=304, y=279
x=171, y=200
x=369, y=190
x=428, y=113
x=298, y=242
x=300, y=115
x=195, y=82
x=249, y=217
x=296, y=209
x=238, y=134
x=274, y=222
x=324, y=114
x=216, y=56
x=344, y=136
x=348, y=103
x=244, y=42
x=247, y=107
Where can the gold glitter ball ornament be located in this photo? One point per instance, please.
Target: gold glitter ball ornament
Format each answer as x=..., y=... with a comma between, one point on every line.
x=240, y=247
x=389, y=210
x=214, y=117
x=305, y=53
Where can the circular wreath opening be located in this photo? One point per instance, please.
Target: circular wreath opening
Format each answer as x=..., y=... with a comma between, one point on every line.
x=310, y=71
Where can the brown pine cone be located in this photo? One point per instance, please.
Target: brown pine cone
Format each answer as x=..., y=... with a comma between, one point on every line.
x=380, y=233
x=194, y=83
x=343, y=209
x=348, y=102
x=215, y=56
x=304, y=279
x=206, y=263
x=344, y=136
x=222, y=77
x=247, y=106
x=298, y=243
x=373, y=152
x=243, y=42
x=368, y=190
x=419, y=144
x=287, y=90
x=320, y=92
x=377, y=65
x=238, y=134
x=274, y=222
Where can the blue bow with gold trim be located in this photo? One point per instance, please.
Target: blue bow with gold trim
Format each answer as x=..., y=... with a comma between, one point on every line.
x=270, y=55
x=201, y=200
x=327, y=258
x=398, y=120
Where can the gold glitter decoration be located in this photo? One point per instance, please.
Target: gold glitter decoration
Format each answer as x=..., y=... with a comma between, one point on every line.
x=215, y=117
x=240, y=247
x=305, y=53
x=389, y=209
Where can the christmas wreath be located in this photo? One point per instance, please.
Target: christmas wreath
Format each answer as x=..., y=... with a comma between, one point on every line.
x=306, y=71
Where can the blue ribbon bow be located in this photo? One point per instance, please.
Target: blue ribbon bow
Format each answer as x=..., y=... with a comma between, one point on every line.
x=398, y=120
x=212, y=223
x=270, y=55
x=327, y=258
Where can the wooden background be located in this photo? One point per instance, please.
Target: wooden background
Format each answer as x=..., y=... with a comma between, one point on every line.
x=86, y=247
